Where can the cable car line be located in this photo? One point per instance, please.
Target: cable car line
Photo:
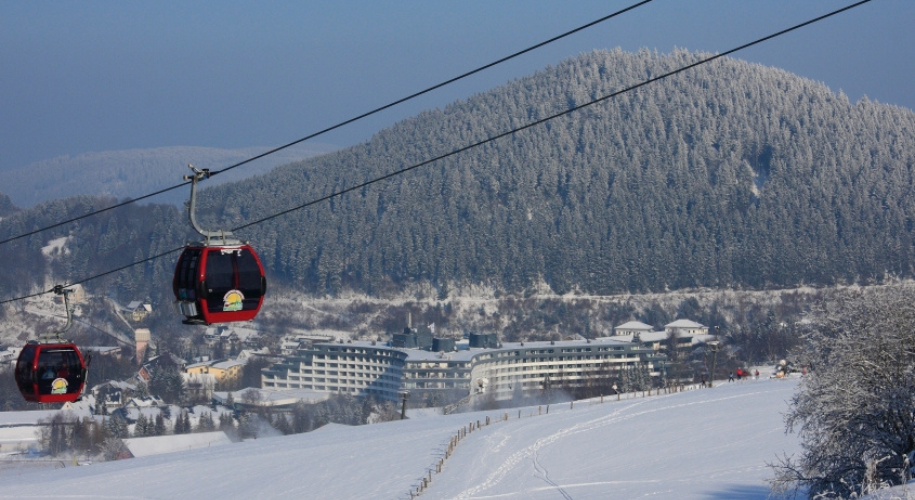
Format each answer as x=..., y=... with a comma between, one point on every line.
x=343, y=123
x=488, y=140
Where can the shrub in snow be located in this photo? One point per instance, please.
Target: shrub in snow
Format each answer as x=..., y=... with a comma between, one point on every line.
x=855, y=409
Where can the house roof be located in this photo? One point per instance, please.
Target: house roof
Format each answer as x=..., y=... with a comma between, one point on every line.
x=164, y=359
x=276, y=397
x=225, y=365
x=635, y=325
x=86, y=404
x=101, y=349
x=684, y=323
x=116, y=384
x=145, y=402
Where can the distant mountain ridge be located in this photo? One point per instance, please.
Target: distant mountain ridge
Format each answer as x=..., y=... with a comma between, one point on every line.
x=137, y=172
x=729, y=175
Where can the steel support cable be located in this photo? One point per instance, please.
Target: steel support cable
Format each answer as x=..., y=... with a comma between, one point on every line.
x=343, y=123
x=491, y=139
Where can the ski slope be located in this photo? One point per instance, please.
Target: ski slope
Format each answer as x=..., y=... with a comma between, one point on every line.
x=710, y=444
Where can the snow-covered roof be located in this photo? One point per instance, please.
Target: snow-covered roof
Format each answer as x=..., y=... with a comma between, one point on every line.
x=118, y=384
x=250, y=353
x=276, y=397
x=156, y=445
x=684, y=323
x=85, y=405
x=145, y=402
x=101, y=349
x=225, y=365
x=634, y=325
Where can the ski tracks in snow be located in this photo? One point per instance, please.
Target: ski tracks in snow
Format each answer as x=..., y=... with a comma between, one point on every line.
x=533, y=451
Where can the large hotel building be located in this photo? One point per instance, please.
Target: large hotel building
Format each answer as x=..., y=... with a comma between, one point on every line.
x=416, y=362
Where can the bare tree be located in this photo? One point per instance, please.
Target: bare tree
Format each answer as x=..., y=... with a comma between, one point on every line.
x=855, y=410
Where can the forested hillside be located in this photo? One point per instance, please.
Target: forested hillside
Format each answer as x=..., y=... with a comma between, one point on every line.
x=6, y=205
x=728, y=175
x=93, y=246
x=731, y=174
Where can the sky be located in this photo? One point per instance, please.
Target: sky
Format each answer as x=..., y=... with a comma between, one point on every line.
x=78, y=77
x=703, y=444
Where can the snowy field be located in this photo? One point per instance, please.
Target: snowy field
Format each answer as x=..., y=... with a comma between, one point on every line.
x=710, y=444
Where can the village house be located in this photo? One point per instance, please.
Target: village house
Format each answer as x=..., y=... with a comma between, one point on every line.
x=137, y=311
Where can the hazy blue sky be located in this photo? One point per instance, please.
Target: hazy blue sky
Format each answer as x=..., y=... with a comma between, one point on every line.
x=103, y=75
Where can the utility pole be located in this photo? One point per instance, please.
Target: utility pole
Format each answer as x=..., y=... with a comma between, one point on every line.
x=403, y=410
x=714, y=346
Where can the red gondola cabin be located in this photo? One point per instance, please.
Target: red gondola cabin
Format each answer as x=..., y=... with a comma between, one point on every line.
x=51, y=373
x=219, y=284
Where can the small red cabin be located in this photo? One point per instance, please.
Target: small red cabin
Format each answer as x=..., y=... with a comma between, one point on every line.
x=51, y=373
x=219, y=284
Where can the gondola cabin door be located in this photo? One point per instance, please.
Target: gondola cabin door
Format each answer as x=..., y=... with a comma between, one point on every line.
x=219, y=284
x=50, y=373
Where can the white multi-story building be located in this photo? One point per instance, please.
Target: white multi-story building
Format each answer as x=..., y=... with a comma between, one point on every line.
x=378, y=369
x=355, y=368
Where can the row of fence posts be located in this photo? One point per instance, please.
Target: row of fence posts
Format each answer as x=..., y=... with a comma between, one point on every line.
x=452, y=444
x=462, y=433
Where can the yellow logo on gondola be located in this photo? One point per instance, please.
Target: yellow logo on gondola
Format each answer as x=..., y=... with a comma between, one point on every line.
x=232, y=301
x=59, y=386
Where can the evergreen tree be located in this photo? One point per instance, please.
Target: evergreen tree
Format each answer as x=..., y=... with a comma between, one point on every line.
x=117, y=426
x=141, y=428
x=205, y=423
x=159, y=429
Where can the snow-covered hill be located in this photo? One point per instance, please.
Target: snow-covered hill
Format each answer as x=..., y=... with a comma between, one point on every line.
x=700, y=444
